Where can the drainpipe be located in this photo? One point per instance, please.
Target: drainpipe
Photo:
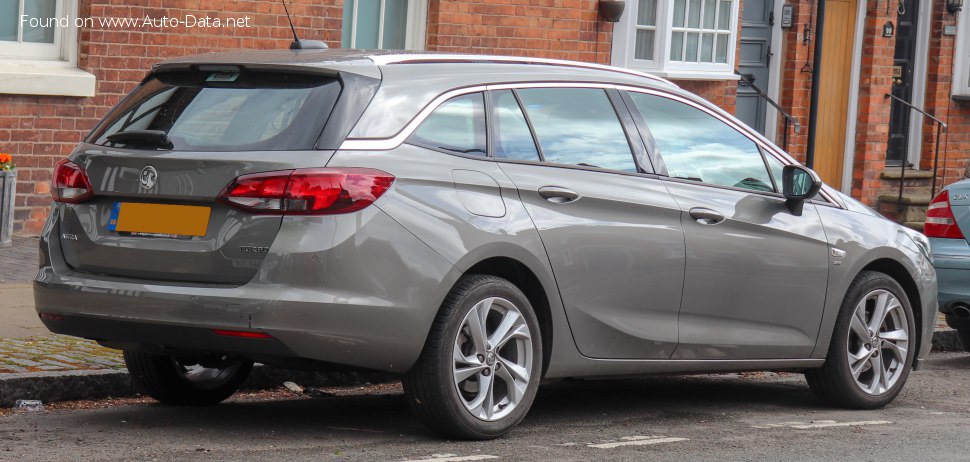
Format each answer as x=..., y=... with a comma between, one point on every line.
x=816, y=81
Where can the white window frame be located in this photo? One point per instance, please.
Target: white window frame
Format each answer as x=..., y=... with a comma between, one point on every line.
x=20, y=49
x=43, y=68
x=415, y=29
x=961, y=59
x=624, y=46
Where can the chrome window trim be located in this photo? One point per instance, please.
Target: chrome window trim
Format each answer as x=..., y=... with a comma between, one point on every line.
x=382, y=60
x=385, y=144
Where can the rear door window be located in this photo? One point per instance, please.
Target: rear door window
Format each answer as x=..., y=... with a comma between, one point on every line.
x=699, y=147
x=234, y=111
x=513, y=139
x=578, y=126
x=455, y=127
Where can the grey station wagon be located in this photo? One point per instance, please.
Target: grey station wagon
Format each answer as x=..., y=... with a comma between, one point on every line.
x=472, y=223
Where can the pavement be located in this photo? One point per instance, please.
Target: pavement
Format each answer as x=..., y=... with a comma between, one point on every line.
x=18, y=262
x=736, y=417
x=26, y=346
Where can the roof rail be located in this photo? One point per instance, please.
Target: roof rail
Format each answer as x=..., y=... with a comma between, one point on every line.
x=415, y=58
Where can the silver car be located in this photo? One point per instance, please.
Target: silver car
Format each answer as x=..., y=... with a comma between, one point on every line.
x=473, y=223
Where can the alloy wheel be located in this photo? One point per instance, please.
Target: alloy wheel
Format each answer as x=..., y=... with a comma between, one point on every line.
x=492, y=359
x=878, y=342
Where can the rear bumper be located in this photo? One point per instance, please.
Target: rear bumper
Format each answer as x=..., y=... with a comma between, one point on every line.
x=162, y=338
x=951, y=258
x=954, y=296
x=954, y=287
x=363, y=296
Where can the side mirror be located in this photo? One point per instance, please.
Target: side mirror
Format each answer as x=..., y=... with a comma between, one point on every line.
x=799, y=184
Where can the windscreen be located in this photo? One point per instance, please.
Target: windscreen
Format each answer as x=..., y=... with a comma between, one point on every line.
x=225, y=111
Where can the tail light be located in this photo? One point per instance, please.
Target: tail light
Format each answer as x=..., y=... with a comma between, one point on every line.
x=70, y=183
x=939, y=219
x=318, y=191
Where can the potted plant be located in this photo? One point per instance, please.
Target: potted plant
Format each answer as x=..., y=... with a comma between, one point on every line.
x=8, y=186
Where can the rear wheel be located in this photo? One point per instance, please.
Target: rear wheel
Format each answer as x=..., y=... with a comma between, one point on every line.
x=187, y=381
x=872, y=348
x=964, y=338
x=478, y=374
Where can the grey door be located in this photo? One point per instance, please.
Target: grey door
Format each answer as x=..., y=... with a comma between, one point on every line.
x=755, y=276
x=613, y=236
x=757, y=23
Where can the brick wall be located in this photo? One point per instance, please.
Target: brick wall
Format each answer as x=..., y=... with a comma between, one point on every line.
x=723, y=93
x=39, y=130
x=873, y=108
x=940, y=104
x=872, y=129
x=557, y=29
x=796, y=78
x=563, y=29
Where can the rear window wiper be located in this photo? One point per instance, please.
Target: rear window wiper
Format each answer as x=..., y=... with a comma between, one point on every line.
x=142, y=138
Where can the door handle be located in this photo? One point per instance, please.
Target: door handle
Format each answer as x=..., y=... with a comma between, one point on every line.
x=706, y=216
x=558, y=195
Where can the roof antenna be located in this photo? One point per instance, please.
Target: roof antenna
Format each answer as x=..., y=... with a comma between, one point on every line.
x=301, y=44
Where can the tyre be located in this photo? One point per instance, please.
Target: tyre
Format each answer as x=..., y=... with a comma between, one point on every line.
x=478, y=374
x=872, y=348
x=187, y=381
x=964, y=338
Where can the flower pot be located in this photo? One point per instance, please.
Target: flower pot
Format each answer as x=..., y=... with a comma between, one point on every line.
x=8, y=186
x=612, y=10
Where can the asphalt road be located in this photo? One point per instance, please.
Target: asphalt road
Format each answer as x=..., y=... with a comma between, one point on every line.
x=733, y=417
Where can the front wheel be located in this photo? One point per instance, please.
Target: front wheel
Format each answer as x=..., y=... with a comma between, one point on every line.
x=187, y=381
x=478, y=374
x=872, y=348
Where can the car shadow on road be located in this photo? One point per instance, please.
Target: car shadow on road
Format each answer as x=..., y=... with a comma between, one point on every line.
x=671, y=400
x=959, y=360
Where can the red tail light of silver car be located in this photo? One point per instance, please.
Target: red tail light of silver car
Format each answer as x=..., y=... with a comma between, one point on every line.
x=70, y=183
x=318, y=191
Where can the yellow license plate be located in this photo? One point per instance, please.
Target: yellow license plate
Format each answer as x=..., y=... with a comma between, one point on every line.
x=180, y=220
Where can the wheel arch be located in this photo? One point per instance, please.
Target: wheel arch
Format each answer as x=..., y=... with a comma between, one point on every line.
x=528, y=282
x=900, y=274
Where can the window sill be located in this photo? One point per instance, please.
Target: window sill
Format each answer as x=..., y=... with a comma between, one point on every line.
x=55, y=78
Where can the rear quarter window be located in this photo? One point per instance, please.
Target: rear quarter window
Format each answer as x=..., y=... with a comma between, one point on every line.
x=242, y=111
x=455, y=127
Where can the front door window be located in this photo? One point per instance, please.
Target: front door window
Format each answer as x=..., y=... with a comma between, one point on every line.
x=696, y=146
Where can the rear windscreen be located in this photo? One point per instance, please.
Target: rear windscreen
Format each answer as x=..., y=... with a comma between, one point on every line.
x=227, y=111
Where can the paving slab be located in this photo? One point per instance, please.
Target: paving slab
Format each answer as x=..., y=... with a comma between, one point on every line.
x=18, y=262
x=17, y=312
x=55, y=353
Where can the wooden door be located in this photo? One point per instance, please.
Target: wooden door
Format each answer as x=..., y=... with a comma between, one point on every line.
x=838, y=42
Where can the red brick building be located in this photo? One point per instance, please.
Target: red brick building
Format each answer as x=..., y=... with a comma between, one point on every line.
x=70, y=61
